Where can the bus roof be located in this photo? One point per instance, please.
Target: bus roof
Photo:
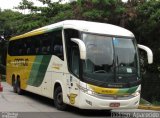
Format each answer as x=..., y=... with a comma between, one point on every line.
x=85, y=26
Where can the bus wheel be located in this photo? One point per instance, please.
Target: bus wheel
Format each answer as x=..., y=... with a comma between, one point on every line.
x=19, y=90
x=58, y=99
x=14, y=86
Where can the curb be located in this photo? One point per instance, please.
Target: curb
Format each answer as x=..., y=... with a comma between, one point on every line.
x=149, y=107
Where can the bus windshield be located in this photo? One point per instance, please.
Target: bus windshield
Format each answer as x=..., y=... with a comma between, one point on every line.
x=110, y=59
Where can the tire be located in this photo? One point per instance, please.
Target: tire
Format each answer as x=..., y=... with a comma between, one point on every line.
x=14, y=86
x=58, y=99
x=19, y=90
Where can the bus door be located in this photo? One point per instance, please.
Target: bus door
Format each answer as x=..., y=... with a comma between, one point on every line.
x=73, y=80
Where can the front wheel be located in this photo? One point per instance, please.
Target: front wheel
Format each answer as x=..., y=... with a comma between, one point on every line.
x=58, y=99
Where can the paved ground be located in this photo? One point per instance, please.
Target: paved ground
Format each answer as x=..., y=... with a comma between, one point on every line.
x=10, y=101
x=30, y=105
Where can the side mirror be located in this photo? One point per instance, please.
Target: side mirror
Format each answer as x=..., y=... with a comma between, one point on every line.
x=149, y=53
x=82, y=47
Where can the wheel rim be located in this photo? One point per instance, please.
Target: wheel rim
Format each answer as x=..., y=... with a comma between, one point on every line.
x=59, y=98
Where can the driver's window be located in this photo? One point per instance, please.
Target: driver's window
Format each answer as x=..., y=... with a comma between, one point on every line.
x=75, y=62
x=72, y=51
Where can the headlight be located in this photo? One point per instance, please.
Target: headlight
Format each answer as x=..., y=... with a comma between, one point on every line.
x=136, y=93
x=85, y=90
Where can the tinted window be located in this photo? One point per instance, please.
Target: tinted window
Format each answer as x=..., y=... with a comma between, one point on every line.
x=72, y=50
x=44, y=44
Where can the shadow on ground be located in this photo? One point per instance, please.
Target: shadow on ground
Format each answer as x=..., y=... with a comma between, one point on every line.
x=70, y=109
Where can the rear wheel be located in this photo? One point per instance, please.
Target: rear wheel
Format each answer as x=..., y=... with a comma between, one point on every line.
x=14, y=86
x=58, y=99
x=19, y=90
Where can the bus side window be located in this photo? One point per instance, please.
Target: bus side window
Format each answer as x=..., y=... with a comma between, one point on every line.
x=22, y=47
x=58, y=44
x=45, y=43
x=19, y=47
x=20, y=51
x=12, y=48
x=58, y=51
x=48, y=49
x=32, y=45
x=28, y=51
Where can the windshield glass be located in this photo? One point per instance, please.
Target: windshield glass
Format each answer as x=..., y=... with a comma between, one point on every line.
x=125, y=55
x=110, y=59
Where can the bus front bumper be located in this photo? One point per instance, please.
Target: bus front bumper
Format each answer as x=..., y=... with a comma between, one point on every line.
x=87, y=101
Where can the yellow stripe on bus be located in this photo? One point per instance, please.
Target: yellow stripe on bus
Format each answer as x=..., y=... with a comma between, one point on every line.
x=102, y=90
x=32, y=33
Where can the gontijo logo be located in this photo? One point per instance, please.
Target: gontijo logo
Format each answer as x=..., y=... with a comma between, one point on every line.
x=20, y=62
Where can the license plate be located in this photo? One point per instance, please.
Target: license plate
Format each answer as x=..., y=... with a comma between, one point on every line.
x=114, y=104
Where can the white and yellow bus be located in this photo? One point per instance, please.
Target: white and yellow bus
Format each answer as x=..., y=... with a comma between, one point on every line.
x=84, y=64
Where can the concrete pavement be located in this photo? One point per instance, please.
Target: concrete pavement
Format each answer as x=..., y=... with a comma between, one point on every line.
x=10, y=101
x=31, y=105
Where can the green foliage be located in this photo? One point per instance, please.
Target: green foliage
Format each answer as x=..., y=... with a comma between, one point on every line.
x=93, y=14
x=25, y=5
x=3, y=78
x=62, y=16
x=144, y=102
x=146, y=26
x=101, y=11
x=156, y=103
x=8, y=21
x=3, y=49
x=148, y=16
x=54, y=9
x=104, y=2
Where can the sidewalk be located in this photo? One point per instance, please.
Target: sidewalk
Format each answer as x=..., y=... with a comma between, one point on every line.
x=149, y=107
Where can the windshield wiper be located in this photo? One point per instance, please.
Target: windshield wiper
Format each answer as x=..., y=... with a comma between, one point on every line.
x=116, y=63
x=100, y=71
